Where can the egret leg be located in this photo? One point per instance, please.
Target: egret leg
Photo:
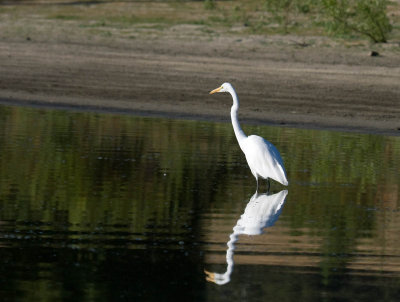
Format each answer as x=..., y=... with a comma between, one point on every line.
x=257, y=184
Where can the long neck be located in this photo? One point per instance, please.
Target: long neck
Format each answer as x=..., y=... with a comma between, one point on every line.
x=234, y=116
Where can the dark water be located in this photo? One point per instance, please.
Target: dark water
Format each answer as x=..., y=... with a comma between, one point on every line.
x=116, y=208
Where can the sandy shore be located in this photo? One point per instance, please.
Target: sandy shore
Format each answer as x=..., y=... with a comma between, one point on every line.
x=289, y=85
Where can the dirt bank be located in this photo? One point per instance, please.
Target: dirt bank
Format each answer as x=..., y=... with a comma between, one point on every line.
x=291, y=85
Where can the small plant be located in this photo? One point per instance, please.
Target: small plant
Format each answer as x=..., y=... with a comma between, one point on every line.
x=363, y=17
x=281, y=11
x=209, y=4
x=286, y=12
x=366, y=17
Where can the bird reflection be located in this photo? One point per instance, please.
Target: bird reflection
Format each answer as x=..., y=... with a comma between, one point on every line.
x=261, y=212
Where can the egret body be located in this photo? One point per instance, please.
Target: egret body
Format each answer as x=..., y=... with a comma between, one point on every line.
x=262, y=157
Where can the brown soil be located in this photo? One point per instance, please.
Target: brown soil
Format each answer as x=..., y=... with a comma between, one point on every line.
x=290, y=84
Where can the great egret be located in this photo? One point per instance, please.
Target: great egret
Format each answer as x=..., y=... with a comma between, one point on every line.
x=262, y=157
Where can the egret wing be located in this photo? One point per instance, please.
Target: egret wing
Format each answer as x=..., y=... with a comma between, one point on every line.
x=264, y=159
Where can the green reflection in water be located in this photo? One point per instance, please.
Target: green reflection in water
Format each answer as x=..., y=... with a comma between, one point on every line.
x=104, y=169
x=119, y=193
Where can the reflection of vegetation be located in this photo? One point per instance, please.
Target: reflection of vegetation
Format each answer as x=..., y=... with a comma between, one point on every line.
x=338, y=176
x=99, y=168
x=85, y=180
x=98, y=171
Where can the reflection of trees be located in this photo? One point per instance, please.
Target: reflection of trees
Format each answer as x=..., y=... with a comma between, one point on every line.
x=102, y=185
x=86, y=171
x=84, y=163
x=95, y=168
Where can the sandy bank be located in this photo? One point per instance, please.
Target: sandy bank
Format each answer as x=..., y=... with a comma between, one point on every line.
x=292, y=86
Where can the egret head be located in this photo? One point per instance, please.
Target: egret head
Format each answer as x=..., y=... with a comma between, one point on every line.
x=226, y=87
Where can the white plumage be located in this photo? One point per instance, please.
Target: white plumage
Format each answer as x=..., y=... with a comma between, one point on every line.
x=262, y=157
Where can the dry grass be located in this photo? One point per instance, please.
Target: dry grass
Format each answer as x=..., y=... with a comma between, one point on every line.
x=47, y=21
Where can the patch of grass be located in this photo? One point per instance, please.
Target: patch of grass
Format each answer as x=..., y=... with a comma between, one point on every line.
x=67, y=17
x=132, y=20
x=106, y=33
x=210, y=4
x=93, y=24
x=234, y=17
x=198, y=22
x=207, y=30
x=216, y=19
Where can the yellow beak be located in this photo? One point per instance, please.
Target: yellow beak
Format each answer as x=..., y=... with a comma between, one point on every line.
x=216, y=90
x=210, y=277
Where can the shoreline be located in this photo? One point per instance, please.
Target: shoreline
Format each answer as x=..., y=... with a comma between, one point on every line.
x=319, y=88
x=361, y=129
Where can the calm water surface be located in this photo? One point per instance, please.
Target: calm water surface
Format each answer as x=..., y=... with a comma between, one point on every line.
x=109, y=207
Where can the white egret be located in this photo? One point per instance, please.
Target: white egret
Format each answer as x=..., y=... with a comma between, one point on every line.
x=262, y=157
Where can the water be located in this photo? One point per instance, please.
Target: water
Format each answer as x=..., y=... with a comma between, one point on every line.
x=102, y=207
